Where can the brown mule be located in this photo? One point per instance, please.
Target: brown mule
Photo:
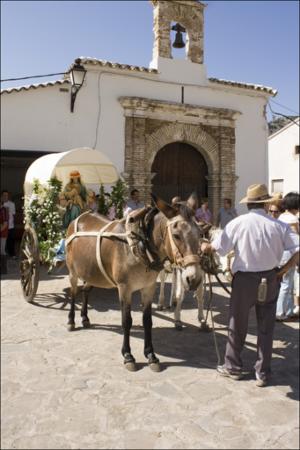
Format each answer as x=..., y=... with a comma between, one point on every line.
x=108, y=262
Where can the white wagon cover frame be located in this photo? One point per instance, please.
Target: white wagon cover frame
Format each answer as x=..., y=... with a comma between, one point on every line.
x=93, y=165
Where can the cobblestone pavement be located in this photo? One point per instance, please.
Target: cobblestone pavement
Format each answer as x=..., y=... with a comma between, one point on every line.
x=64, y=390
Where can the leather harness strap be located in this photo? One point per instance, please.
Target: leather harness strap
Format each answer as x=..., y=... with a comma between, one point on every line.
x=179, y=259
x=98, y=254
x=98, y=235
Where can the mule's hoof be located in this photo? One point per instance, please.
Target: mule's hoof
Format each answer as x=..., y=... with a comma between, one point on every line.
x=159, y=308
x=130, y=366
x=86, y=323
x=71, y=326
x=204, y=327
x=153, y=362
x=155, y=367
x=178, y=326
x=129, y=362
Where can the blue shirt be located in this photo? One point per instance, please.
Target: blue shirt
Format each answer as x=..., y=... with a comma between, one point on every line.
x=258, y=241
x=225, y=216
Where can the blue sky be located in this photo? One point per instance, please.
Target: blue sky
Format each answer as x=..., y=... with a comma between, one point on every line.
x=251, y=41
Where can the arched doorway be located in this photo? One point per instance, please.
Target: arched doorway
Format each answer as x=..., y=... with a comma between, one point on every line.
x=179, y=169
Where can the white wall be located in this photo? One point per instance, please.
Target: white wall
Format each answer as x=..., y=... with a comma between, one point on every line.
x=283, y=162
x=40, y=119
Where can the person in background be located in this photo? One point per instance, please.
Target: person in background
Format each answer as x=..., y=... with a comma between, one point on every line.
x=10, y=242
x=4, y=218
x=134, y=202
x=258, y=241
x=290, y=206
x=111, y=213
x=226, y=213
x=203, y=214
x=275, y=208
x=91, y=200
x=285, y=304
x=296, y=311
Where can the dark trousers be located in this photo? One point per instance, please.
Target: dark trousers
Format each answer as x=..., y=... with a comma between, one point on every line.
x=10, y=242
x=243, y=297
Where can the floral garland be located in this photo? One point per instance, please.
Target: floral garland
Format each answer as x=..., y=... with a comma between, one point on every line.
x=41, y=210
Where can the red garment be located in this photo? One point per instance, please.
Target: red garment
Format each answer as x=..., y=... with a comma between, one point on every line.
x=3, y=219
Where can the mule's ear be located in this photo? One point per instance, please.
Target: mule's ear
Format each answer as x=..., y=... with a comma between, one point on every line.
x=164, y=207
x=192, y=201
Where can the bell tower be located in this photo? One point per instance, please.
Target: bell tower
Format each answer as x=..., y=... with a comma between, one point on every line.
x=188, y=16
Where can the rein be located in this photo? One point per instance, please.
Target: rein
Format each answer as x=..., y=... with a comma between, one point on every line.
x=209, y=309
x=222, y=284
x=210, y=267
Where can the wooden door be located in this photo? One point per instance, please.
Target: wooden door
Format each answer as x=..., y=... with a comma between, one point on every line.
x=180, y=170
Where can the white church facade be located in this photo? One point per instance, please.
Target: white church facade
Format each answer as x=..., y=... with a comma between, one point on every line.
x=169, y=129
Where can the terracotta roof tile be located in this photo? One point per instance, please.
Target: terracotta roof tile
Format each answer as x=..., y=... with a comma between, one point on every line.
x=104, y=63
x=114, y=65
x=256, y=87
x=34, y=86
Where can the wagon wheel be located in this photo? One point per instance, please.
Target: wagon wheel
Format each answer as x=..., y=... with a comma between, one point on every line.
x=29, y=263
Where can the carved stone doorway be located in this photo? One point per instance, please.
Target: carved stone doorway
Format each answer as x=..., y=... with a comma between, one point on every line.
x=179, y=170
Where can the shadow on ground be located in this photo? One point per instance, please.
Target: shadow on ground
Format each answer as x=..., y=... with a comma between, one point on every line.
x=189, y=348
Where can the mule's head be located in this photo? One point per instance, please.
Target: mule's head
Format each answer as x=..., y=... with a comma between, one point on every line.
x=181, y=239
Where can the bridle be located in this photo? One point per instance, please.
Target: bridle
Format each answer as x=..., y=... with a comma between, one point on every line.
x=178, y=258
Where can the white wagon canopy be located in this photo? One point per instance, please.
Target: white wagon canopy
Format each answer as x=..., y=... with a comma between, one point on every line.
x=94, y=168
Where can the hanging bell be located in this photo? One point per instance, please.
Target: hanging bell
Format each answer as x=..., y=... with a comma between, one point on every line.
x=179, y=42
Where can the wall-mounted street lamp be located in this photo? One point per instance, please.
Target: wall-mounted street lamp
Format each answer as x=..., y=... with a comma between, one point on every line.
x=77, y=75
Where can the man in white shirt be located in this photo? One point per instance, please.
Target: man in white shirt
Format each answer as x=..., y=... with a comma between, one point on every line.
x=10, y=243
x=258, y=241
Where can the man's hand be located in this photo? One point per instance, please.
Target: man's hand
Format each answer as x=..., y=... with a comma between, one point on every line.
x=293, y=261
x=206, y=248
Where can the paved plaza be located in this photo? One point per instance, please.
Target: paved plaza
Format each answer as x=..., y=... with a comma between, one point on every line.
x=64, y=390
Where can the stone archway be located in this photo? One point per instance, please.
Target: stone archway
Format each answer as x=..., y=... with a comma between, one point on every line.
x=200, y=140
x=151, y=125
x=196, y=136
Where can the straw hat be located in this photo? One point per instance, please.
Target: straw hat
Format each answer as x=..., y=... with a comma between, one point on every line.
x=277, y=195
x=74, y=173
x=257, y=193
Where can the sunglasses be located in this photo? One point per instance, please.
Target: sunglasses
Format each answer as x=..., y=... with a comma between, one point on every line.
x=274, y=211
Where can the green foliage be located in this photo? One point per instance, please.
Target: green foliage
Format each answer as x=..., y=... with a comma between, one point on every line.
x=117, y=197
x=279, y=122
x=103, y=205
x=41, y=211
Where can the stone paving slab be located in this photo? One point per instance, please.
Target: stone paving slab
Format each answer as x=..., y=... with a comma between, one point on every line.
x=64, y=390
